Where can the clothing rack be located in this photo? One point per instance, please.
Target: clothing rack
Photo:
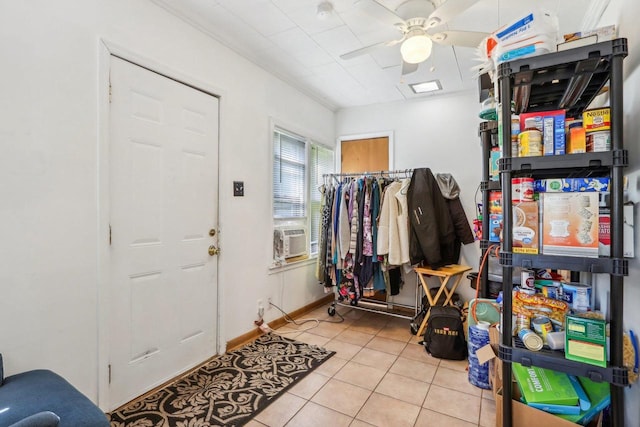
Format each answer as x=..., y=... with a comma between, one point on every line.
x=367, y=303
x=378, y=173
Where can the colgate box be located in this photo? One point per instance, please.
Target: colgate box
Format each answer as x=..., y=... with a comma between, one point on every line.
x=553, y=135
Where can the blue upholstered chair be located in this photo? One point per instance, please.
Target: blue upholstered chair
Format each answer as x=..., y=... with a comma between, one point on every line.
x=42, y=398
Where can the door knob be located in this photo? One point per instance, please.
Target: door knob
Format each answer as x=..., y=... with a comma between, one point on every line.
x=213, y=250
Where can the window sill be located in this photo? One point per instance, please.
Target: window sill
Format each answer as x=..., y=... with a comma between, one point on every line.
x=292, y=264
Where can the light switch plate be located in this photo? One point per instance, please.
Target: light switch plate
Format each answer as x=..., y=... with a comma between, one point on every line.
x=238, y=188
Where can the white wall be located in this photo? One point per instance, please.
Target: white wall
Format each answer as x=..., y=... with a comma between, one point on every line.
x=438, y=132
x=51, y=124
x=624, y=14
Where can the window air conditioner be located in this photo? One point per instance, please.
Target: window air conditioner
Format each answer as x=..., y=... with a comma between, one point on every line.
x=290, y=241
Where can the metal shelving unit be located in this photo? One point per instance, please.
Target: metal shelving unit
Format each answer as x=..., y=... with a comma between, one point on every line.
x=566, y=80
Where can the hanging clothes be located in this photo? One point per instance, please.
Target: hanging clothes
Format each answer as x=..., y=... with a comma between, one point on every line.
x=432, y=237
x=388, y=233
x=451, y=192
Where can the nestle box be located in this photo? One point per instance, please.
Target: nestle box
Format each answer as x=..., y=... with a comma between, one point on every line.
x=570, y=224
x=596, y=120
x=526, y=232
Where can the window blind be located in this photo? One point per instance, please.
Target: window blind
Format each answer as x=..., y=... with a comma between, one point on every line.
x=289, y=173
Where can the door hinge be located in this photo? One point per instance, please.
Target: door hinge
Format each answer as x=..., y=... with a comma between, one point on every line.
x=110, y=91
x=109, y=234
x=109, y=373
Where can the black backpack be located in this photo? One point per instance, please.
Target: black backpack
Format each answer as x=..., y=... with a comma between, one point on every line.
x=444, y=336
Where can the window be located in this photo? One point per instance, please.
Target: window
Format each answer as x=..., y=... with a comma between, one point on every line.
x=289, y=175
x=298, y=169
x=321, y=162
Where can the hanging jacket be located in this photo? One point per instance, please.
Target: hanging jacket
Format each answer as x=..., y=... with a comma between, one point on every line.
x=432, y=236
x=403, y=224
x=450, y=191
x=388, y=234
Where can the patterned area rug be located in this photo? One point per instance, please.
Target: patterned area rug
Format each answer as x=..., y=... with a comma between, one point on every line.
x=229, y=390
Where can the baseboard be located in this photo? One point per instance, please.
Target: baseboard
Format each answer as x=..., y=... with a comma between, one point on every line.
x=276, y=323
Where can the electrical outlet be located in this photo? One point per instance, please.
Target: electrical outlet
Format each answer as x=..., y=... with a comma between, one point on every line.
x=269, y=302
x=260, y=309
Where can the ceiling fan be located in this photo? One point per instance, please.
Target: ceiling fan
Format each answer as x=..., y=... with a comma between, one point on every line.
x=416, y=42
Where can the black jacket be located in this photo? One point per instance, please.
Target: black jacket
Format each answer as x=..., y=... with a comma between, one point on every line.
x=432, y=238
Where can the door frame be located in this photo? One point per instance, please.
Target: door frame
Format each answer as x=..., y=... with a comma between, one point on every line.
x=381, y=134
x=106, y=50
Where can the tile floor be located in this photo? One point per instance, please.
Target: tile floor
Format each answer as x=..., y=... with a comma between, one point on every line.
x=379, y=376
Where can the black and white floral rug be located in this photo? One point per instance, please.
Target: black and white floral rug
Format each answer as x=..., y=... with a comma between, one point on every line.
x=229, y=390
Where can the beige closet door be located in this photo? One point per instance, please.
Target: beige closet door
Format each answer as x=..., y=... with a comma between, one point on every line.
x=364, y=155
x=163, y=204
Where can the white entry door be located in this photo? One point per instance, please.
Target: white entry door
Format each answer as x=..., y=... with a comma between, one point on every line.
x=163, y=217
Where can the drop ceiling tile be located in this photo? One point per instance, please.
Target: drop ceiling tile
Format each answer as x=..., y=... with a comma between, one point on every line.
x=282, y=63
x=387, y=57
x=288, y=6
x=307, y=19
x=337, y=41
x=361, y=23
x=299, y=44
x=262, y=15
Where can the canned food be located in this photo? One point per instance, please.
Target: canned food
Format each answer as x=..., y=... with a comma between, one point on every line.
x=530, y=143
x=530, y=340
x=522, y=189
x=542, y=326
x=598, y=141
x=522, y=322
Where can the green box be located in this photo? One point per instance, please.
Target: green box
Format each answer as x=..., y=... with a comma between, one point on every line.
x=585, y=340
x=539, y=385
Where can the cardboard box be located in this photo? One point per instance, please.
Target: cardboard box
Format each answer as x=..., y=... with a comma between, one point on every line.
x=523, y=415
x=586, y=340
x=494, y=171
x=539, y=385
x=526, y=416
x=526, y=233
x=559, y=141
x=596, y=120
x=568, y=185
x=495, y=227
x=604, y=232
x=570, y=224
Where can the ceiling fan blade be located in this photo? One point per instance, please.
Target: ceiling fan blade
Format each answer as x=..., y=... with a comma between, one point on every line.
x=459, y=38
x=447, y=11
x=408, y=68
x=369, y=49
x=378, y=11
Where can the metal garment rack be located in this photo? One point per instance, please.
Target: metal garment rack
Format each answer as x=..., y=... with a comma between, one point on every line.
x=373, y=305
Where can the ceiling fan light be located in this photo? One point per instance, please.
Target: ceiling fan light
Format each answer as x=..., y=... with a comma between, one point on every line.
x=416, y=49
